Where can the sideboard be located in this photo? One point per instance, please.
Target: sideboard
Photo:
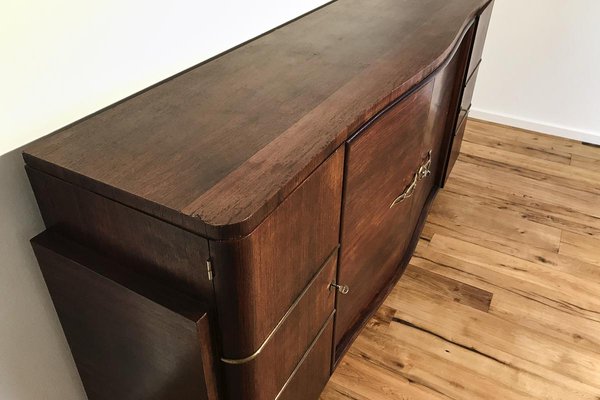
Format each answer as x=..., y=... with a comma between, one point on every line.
x=226, y=233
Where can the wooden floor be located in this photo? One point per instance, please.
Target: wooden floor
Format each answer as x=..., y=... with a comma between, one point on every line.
x=502, y=297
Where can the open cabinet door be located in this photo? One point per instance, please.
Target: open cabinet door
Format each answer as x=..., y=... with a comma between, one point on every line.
x=131, y=338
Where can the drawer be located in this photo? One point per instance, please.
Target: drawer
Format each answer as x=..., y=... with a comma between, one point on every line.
x=262, y=376
x=258, y=277
x=456, y=143
x=462, y=115
x=131, y=338
x=382, y=160
x=467, y=97
x=483, y=22
x=311, y=375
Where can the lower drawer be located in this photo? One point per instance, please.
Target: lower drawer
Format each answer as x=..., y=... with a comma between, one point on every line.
x=311, y=375
x=456, y=142
x=462, y=116
x=468, y=92
x=131, y=337
x=263, y=375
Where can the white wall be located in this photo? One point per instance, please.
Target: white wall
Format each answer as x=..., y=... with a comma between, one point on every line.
x=541, y=67
x=59, y=61
x=35, y=362
x=64, y=59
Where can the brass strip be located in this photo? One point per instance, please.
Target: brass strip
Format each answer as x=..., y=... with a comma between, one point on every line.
x=305, y=356
x=237, y=361
x=408, y=192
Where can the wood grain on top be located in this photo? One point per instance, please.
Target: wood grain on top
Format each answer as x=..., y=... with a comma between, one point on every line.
x=226, y=141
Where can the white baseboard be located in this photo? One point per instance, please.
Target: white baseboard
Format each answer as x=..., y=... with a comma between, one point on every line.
x=536, y=126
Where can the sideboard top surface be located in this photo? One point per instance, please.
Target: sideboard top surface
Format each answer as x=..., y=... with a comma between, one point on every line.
x=218, y=147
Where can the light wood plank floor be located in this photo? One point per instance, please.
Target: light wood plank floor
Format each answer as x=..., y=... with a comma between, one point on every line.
x=502, y=298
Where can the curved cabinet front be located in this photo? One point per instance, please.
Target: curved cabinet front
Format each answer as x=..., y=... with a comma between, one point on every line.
x=259, y=226
x=394, y=166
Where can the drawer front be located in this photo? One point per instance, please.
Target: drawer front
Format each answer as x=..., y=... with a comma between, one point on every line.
x=483, y=22
x=462, y=116
x=382, y=161
x=467, y=96
x=456, y=143
x=264, y=376
x=131, y=337
x=310, y=377
x=258, y=277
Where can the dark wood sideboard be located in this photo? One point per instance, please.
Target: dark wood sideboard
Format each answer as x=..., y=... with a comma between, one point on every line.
x=226, y=233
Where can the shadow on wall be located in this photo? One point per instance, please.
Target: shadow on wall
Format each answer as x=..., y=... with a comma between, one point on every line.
x=35, y=362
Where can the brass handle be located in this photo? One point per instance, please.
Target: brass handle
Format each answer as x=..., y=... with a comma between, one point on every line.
x=408, y=192
x=343, y=289
x=425, y=169
x=423, y=172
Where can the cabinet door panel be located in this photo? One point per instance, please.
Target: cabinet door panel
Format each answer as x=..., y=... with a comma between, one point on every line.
x=381, y=164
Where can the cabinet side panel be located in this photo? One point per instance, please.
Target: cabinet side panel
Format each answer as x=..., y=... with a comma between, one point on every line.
x=145, y=243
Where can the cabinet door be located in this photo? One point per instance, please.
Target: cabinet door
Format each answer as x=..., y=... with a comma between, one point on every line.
x=382, y=161
x=483, y=22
